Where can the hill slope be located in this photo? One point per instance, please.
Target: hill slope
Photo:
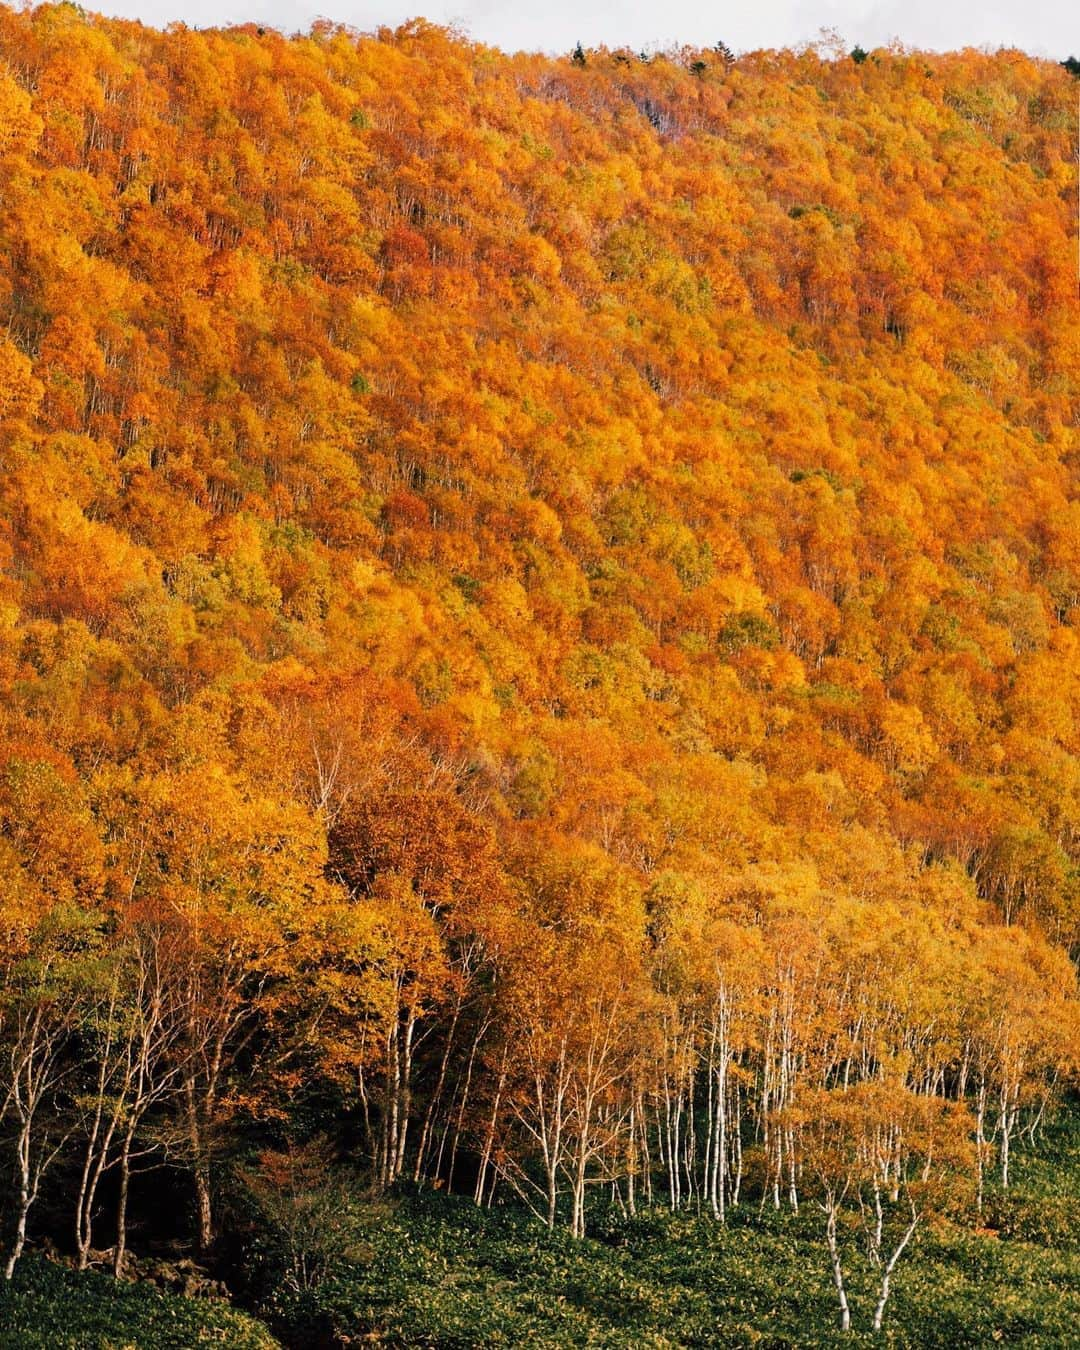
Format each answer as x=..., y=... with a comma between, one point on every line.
x=538, y=610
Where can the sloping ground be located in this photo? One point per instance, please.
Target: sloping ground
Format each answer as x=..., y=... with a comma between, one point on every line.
x=50, y=1308
x=534, y=594
x=440, y=1273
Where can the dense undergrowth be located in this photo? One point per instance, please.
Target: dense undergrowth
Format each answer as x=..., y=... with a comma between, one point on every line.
x=47, y=1307
x=443, y=1275
x=440, y=1272
x=433, y=1270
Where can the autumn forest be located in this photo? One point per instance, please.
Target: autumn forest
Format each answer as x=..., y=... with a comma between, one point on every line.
x=539, y=660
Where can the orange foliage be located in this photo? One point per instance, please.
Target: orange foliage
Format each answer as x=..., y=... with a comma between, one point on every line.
x=463, y=515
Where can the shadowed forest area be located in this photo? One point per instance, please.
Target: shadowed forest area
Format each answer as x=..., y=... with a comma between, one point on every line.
x=539, y=692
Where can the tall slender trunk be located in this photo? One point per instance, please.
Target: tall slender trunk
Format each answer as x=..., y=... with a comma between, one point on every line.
x=1006, y=1125
x=120, y=1250
x=646, y=1156
x=393, y=1093
x=577, y=1218
x=406, y=1094
x=489, y=1138
x=709, y=1160
x=98, y=1148
x=690, y=1140
x=25, y=1200
x=85, y=1202
x=736, y=1148
x=631, y=1164
x=793, y=1186
x=460, y=1121
x=552, y=1191
x=203, y=1205
x=84, y=1199
x=883, y=1293
x=844, y=1316
x=719, y=1196
x=200, y=1170
x=980, y=1143
x=436, y=1096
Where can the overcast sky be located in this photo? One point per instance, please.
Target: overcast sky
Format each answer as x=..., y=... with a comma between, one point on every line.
x=1043, y=27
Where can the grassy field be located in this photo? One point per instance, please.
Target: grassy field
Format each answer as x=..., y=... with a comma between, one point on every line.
x=435, y=1271
x=441, y=1273
x=47, y=1307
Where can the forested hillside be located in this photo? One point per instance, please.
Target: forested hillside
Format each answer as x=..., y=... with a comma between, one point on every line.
x=538, y=622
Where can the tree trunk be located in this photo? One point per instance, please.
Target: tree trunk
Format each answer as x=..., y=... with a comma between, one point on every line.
x=436, y=1096
x=631, y=1165
x=489, y=1138
x=200, y=1169
x=883, y=1295
x=29, y=1181
x=26, y=1199
x=120, y=1250
x=204, y=1207
x=980, y=1144
x=736, y=1146
x=844, y=1317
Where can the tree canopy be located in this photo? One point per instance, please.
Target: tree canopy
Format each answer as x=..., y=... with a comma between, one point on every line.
x=537, y=595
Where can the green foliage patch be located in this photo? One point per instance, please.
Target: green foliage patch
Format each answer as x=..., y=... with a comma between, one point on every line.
x=47, y=1307
x=442, y=1273
x=435, y=1271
